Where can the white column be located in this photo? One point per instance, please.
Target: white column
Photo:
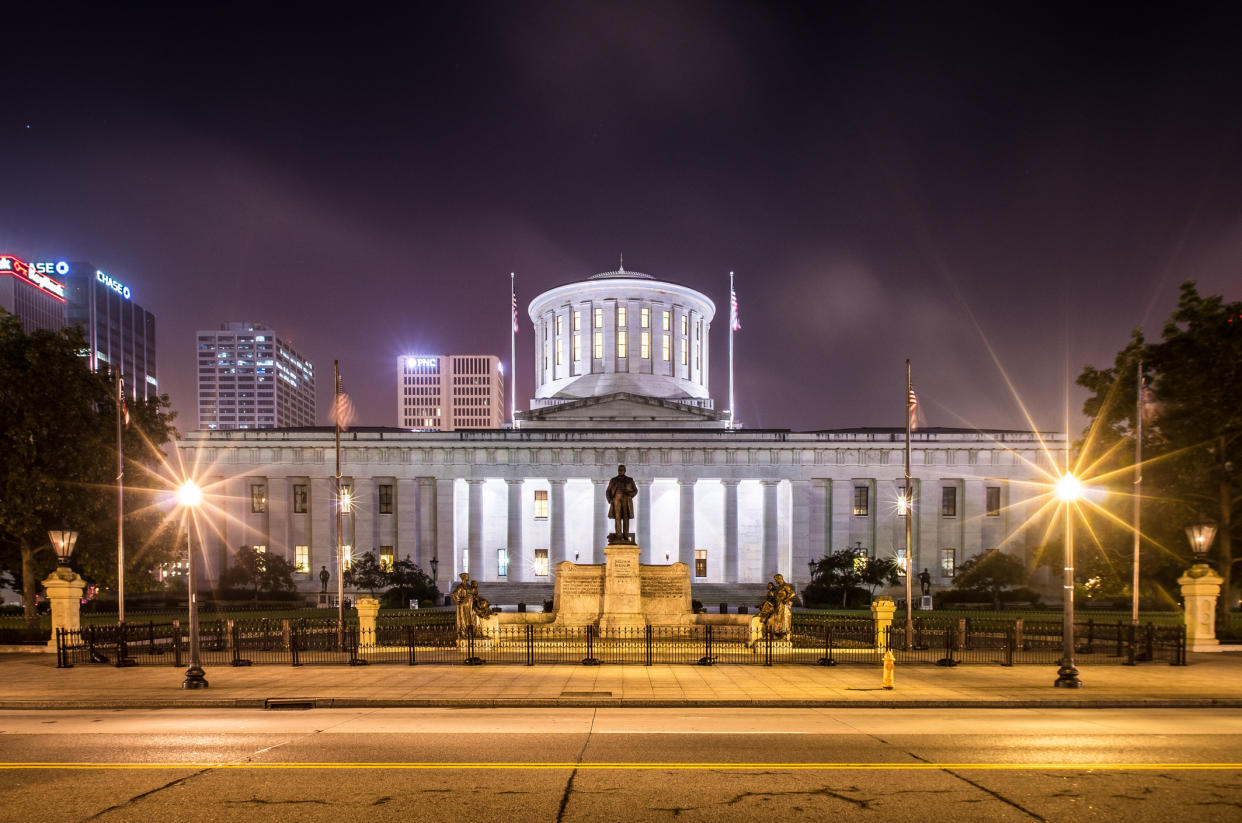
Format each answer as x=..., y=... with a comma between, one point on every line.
x=366, y=501
x=685, y=532
x=599, y=526
x=278, y=518
x=642, y=514
x=731, y=559
x=842, y=506
x=405, y=504
x=519, y=563
x=800, y=549
x=322, y=536
x=474, y=530
x=446, y=533
x=770, y=543
x=973, y=504
x=557, y=515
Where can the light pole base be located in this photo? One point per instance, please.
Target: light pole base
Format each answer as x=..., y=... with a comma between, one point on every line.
x=1067, y=676
x=194, y=678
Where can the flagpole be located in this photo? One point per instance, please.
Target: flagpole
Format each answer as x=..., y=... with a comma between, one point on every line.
x=732, y=323
x=512, y=355
x=340, y=557
x=1138, y=481
x=909, y=504
x=120, y=511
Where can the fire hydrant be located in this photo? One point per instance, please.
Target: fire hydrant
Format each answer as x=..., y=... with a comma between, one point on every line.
x=888, y=670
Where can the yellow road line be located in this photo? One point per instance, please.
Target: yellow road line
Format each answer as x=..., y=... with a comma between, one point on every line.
x=606, y=766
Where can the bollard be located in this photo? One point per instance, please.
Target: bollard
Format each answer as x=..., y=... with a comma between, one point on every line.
x=887, y=682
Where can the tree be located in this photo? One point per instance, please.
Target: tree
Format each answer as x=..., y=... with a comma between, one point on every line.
x=409, y=582
x=259, y=571
x=366, y=573
x=879, y=571
x=1192, y=439
x=837, y=574
x=992, y=572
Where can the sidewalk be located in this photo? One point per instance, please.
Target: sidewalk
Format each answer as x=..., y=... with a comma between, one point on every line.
x=31, y=681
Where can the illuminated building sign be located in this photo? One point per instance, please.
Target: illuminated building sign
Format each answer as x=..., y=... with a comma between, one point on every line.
x=19, y=268
x=116, y=285
x=48, y=267
x=421, y=362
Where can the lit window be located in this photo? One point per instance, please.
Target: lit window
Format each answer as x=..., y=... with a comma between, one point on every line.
x=993, y=503
x=668, y=321
x=685, y=325
x=560, y=324
x=644, y=318
x=558, y=351
x=644, y=344
x=541, y=562
x=502, y=562
x=599, y=345
x=685, y=352
x=577, y=321
x=577, y=347
x=665, y=345
x=862, y=501
x=301, y=559
x=599, y=318
x=347, y=557
x=948, y=562
x=385, y=498
x=901, y=561
x=700, y=562
x=258, y=498
x=545, y=354
x=260, y=549
x=621, y=341
x=387, y=557
x=541, y=505
x=948, y=501
x=621, y=316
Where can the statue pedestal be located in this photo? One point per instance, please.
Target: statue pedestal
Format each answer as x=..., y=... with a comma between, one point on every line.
x=1200, y=588
x=64, y=589
x=368, y=608
x=623, y=596
x=882, y=610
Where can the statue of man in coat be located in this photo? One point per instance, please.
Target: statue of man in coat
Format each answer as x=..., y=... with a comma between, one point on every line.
x=620, y=495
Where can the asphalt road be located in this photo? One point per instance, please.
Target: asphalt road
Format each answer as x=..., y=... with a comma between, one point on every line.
x=622, y=764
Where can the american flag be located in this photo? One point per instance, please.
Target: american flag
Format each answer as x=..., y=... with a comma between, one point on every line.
x=342, y=407
x=513, y=294
x=735, y=322
x=912, y=407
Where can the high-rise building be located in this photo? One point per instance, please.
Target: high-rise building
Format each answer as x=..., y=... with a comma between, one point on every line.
x=249, y=378
x=36, y=298
x=450, y=391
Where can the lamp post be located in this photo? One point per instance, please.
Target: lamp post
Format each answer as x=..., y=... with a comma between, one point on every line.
x=1069, y=489
x=345, y=505
x=190, y=496
x=1201, y=536
x=63, y=541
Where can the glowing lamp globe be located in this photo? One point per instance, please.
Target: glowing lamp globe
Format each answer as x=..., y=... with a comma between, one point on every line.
x=189, y=494
x=1069, y=488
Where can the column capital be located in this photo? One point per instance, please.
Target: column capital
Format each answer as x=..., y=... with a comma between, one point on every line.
x=682, y=481
x=475, y=481
x=769, y=482
x=426, y=481
x=729, y=482
x=515, y=481
x=560, y=481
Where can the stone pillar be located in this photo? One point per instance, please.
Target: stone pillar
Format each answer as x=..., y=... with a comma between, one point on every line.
x=642, y=513
x=64, y=589
x=405, y=504
x=556, y=504
x=425, y=528
x=1200, y=588
x=600, y=525
x=801, y=532
x=445, y=524
x=685, y=532
x=368, y=608
x=732, y=561
x=519, y=563
x=771, y=553
x=474, y=529
x=882, y=609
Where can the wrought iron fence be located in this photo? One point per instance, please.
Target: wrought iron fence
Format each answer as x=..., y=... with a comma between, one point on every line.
x=819, y=640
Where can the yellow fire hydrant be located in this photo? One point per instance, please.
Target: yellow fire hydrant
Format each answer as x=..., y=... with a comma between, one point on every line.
x=888, y=670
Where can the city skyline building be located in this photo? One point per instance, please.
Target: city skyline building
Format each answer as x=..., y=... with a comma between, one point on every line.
x=250, y=378
x=36, y=297
x=446, y=392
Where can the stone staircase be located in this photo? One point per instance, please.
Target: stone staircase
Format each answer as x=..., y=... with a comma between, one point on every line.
x=510, y=594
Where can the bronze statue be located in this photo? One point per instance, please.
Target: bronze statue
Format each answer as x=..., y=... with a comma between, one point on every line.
x=776, y=612
x=925, y=581
x=620, y=497
x=323, y=578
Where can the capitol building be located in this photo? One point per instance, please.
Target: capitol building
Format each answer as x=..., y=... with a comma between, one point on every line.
x=621, y=377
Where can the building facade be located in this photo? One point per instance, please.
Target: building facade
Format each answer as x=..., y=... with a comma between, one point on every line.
x=37, y=298
x=249, y=378
x=450, y=391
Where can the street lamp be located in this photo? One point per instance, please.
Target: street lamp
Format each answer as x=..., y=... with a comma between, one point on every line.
x=190, y=496
x=63, y=541
x=1069, y=489
x=1201, y=536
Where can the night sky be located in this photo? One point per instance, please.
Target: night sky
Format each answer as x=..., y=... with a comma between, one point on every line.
x=918, y=180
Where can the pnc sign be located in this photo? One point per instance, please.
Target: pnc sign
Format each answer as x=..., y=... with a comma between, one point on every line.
x=116, y=285
x=32, y=275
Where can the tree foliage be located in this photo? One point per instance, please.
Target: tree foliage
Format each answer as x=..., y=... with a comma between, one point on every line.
x=259, y=571
x=991, y=572
x=849, y=575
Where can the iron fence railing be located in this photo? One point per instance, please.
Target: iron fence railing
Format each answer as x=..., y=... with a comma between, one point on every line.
x=822, y=640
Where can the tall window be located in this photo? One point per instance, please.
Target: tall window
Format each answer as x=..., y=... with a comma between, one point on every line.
x=560, y=324
x=578, y=321
x=541, y=504
x=387, y=557
x=948, y=501
x=993, y=503
x=599, y=318
x=667, y=320
x=666, y=344
x=862, y=501
x=700, y=562
x=301, y=559
x=901, y=560
x=685, y=352
x=644, y=318
x=644, y=344
x=385, y=498
x=541, y=562
x=621, y=341
x=685, y=325
x=948, y=562
x=347, y=557
x=299, y=498
x=577, y=347
x=258, y=498
x=599, y=345
x=502, y=562
x=545, y=354
x=558, y=351
x=621, y=316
